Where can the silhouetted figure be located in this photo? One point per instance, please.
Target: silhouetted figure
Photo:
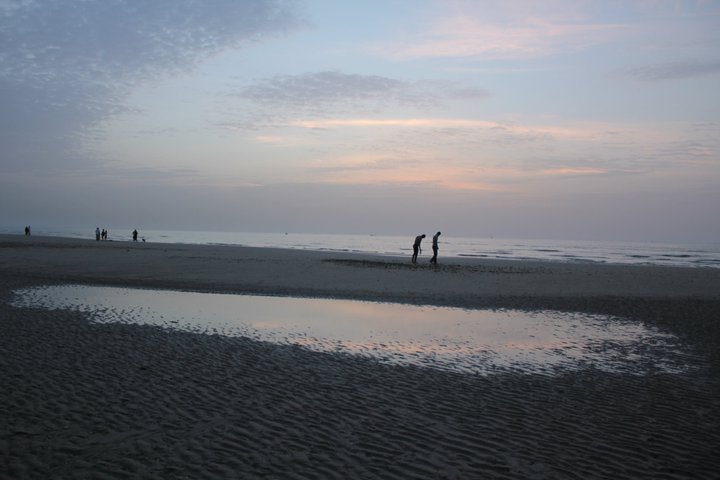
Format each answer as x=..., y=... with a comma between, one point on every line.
x=97, y=234
x=27, y=230
x=134, y=235
x=435, y=248
x=416, y=247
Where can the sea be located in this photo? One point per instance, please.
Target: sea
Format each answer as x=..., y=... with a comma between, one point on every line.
x=574, y=251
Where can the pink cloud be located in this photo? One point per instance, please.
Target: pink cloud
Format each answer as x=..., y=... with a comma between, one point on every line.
x=467, y=36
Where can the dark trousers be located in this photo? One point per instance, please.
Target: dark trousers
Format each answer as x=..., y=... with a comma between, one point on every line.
x=434, y=258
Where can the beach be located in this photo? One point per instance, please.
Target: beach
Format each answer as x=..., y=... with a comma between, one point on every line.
x=88, y=400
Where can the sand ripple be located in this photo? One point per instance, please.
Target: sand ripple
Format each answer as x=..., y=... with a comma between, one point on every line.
x=83, y=400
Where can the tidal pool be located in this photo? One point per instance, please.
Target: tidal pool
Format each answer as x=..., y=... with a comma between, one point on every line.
x=468, y=341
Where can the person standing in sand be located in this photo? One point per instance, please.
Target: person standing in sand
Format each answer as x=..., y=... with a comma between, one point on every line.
x=416, y=247
x=135, y=235
x=435, y=248
x=97, y=234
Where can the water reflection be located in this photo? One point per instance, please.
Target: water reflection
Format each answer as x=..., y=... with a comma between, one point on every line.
x=470, y=341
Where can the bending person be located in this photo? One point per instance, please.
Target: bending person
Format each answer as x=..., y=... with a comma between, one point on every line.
x=416, y=247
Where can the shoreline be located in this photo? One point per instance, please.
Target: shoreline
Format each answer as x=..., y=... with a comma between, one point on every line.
x=246, y=269
x=128, y=401
x=684, y=300
x=700, y=255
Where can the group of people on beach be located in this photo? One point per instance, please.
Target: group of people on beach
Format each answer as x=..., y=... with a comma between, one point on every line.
x=100, y=235
x=417, y=249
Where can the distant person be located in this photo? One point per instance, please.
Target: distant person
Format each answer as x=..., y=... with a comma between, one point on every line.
x=416, y=247
x=97, y=234
x=435, y=248
x=135, y=235
x=27, y=230
x=103, y=235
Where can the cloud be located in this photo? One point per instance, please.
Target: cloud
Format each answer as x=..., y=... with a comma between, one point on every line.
x=574, y=171
x=468, y=93
x=66, y=66
x=403, y=169
x=624, y=146
x=321, y=92
x=396, y=122
x=450, y=124
x=418, y=168
x=675, y=70
x=485, y=155
x=325, y=94
x=322, y=87
x=473, y=36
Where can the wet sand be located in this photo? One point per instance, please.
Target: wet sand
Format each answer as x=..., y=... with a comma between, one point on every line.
x=83, y=400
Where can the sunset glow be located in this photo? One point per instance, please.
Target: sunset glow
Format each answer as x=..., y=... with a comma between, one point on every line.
x=527, y=115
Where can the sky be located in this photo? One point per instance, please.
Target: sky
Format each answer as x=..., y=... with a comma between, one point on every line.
x=560, y=119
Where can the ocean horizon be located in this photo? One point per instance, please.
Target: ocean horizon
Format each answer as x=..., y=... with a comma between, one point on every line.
x=582, y=251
